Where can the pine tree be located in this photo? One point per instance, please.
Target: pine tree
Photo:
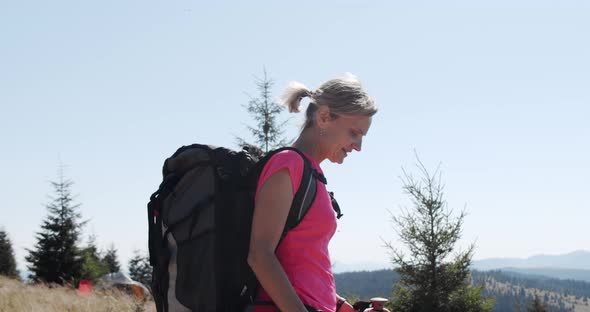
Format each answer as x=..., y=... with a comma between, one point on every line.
x=429, y=281
x=7, y=262
x=56, y=257
x=264, y=110
x=140, y=269
x=111, y=261
x=536, y=305
x=93, y=267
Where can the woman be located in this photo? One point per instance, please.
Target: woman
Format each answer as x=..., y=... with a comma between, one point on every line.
x=297, y=275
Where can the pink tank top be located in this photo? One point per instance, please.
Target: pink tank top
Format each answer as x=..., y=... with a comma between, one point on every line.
x=303, y=253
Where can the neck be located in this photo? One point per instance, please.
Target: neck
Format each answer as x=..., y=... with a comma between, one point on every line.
x=307, y=143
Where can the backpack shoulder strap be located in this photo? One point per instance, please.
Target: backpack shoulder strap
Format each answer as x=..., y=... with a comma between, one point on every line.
x=306, y=193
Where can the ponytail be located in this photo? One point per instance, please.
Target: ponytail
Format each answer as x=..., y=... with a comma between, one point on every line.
x=293, y=95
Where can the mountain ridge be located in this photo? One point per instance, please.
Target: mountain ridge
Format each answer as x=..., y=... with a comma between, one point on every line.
x=575, y=260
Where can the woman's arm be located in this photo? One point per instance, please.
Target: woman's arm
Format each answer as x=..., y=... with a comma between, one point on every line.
x=270, y=214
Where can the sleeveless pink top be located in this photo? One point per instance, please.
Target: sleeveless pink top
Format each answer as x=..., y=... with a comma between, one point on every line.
x=303, y=253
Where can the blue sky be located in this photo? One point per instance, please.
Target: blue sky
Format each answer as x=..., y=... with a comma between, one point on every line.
x=495, y=91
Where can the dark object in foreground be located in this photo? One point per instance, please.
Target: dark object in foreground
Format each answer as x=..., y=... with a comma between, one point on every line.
x=361, y=305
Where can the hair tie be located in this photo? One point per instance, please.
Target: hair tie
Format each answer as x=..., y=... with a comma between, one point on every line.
x=307, y=93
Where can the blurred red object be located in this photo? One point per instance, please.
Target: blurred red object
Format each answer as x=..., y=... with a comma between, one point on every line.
x=84, y=287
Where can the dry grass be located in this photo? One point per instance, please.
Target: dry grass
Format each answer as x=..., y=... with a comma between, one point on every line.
x=17, y=296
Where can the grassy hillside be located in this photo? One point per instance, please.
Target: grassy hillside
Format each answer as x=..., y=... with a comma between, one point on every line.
x=513, y=291
x=17, y=296
x=567, y=287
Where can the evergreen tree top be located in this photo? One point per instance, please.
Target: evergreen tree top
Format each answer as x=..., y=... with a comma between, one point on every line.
x=56, y=256
x=268, y=131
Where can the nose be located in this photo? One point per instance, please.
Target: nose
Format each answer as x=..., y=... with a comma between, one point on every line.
x=358, y=144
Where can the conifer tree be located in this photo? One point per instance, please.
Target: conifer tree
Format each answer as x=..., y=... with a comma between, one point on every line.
x=140, y=269
x=111, y=260
x=536, y=305
x=93, y=267
x=429, y=279
x=268, y=130
x=7, y=262
x=56, y=257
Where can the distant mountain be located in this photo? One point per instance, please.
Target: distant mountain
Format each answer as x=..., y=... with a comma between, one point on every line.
x=573, y=274
x=577, y=260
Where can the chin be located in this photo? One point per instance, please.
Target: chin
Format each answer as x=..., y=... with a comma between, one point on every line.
x=337, y=160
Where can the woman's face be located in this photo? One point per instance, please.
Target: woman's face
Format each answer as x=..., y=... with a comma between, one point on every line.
x=342, y=135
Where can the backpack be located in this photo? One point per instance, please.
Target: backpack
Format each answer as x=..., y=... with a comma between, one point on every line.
x=200, y=221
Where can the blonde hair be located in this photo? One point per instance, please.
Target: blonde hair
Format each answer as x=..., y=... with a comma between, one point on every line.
x=344, y=96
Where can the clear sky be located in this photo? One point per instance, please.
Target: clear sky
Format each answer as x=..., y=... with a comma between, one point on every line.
x=497, y=92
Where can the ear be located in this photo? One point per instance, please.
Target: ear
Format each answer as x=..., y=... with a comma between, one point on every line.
x=323, y=117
